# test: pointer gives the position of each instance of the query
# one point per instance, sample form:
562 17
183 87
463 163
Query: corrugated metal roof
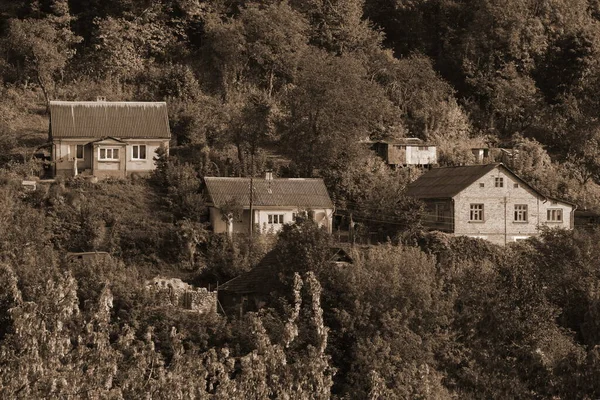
447 182
95 119
301 193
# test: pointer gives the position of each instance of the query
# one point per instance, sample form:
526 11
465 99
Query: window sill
476 222
554 222
520 222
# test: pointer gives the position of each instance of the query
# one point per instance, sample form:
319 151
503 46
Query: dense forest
249 84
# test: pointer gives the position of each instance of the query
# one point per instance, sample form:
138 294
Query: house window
476 212
79 153
481 184
554 215
108 154
520 212
499 182
275 219
138 152
439 212
516 185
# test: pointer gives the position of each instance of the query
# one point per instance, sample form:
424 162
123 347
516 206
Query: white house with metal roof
488 202
275 202
107 139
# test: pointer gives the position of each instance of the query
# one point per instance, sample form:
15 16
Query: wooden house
275 202
405 152
482 154
106 139
489 202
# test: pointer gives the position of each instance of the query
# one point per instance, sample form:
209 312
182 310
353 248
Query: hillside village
356 199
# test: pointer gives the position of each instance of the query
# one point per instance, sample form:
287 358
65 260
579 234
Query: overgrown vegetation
295 86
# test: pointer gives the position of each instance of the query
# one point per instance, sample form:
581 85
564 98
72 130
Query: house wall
65 150
261 219
439 215
104 168
142 167
499 205
416 156
396 154
63 153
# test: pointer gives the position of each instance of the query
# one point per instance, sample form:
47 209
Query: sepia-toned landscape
299 199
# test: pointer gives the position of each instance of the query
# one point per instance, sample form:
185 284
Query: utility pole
252 192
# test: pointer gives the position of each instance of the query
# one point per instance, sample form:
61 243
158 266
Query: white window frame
499 181
106 151
521 213
275 219
138 147
82 147
554 215
476 212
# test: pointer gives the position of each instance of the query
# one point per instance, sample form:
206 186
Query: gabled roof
108 139
95 119
405 142
263 279
295 192
260 279
448 181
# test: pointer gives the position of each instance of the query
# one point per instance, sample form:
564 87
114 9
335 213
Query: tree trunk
271 76
45 92
241 158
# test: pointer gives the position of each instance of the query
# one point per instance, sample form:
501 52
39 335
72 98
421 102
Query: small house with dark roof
252 290
107 139
275 202
405 152
488 202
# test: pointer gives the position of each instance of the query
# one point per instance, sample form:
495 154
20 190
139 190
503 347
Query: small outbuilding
406 152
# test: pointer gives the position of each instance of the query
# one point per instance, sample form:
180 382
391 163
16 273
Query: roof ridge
495 164
262 178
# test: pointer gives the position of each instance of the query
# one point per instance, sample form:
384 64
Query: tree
39 49
338 26
386 306
331 107
275 40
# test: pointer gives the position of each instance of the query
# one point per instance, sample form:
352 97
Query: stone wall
176 293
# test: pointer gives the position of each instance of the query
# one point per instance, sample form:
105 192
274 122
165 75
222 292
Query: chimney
268 175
